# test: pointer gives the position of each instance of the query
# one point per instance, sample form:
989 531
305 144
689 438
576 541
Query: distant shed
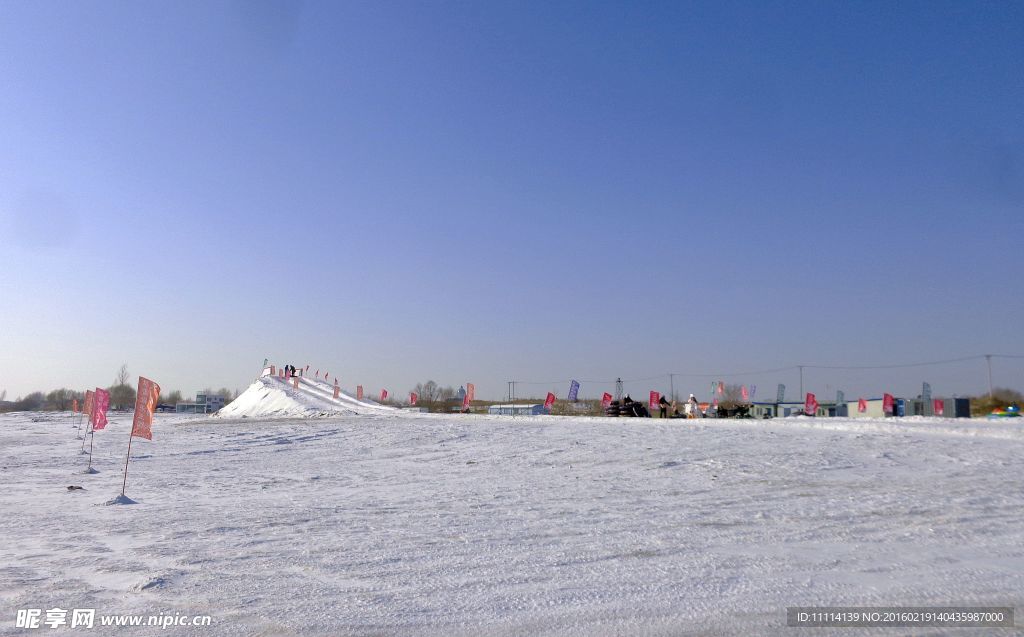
516 410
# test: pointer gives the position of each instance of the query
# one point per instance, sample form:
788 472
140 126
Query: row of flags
888 405
414 398
95 407
717 389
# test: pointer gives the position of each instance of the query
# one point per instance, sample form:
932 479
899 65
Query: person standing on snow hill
663 408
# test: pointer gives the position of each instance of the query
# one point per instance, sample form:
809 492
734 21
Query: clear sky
483 191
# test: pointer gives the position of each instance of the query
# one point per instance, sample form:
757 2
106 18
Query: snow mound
121 499
274 397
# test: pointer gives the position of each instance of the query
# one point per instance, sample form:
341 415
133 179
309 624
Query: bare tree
732 397
428 391
59 399
122 395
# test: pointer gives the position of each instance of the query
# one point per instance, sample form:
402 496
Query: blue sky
487 191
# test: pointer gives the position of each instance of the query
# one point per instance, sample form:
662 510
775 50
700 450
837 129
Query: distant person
693 406
663 405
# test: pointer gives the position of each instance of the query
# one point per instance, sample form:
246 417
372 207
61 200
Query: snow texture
387 523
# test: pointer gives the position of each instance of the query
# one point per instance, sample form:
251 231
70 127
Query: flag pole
83 440
127 456
91 438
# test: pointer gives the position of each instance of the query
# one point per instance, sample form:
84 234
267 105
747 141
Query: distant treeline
122 396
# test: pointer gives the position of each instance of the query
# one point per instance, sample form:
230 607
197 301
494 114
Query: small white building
516 410
204 404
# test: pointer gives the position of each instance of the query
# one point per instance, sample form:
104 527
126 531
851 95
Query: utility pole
672 386
988 359
801 382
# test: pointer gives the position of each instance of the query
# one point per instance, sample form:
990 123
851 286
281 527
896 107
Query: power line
763 371
776 370
901 366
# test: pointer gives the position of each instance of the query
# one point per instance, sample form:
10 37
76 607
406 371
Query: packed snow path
397 525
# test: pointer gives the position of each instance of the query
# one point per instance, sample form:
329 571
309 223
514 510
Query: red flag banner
549 401
413 398
606 400
939 406
359 392
721 388
74 406
87 409
862 405
337 392
810 405
887 404
471 391
744 393
99 409
145 405
383 395
655 397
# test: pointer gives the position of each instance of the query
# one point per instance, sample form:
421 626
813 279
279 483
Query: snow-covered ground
398 524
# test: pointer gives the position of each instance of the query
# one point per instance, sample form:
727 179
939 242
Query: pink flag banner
938 405
810 405
413 398
337 392
383 395
87 409
655 398
606 400
101 402
359 392
862 405
74 406
145 405
744 393
549 401
888 403
721 388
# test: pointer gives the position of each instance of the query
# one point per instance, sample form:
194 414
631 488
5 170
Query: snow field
397 524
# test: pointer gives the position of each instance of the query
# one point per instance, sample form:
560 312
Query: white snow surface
274 397
394 524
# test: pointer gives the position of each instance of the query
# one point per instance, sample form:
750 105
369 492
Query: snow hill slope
274 397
